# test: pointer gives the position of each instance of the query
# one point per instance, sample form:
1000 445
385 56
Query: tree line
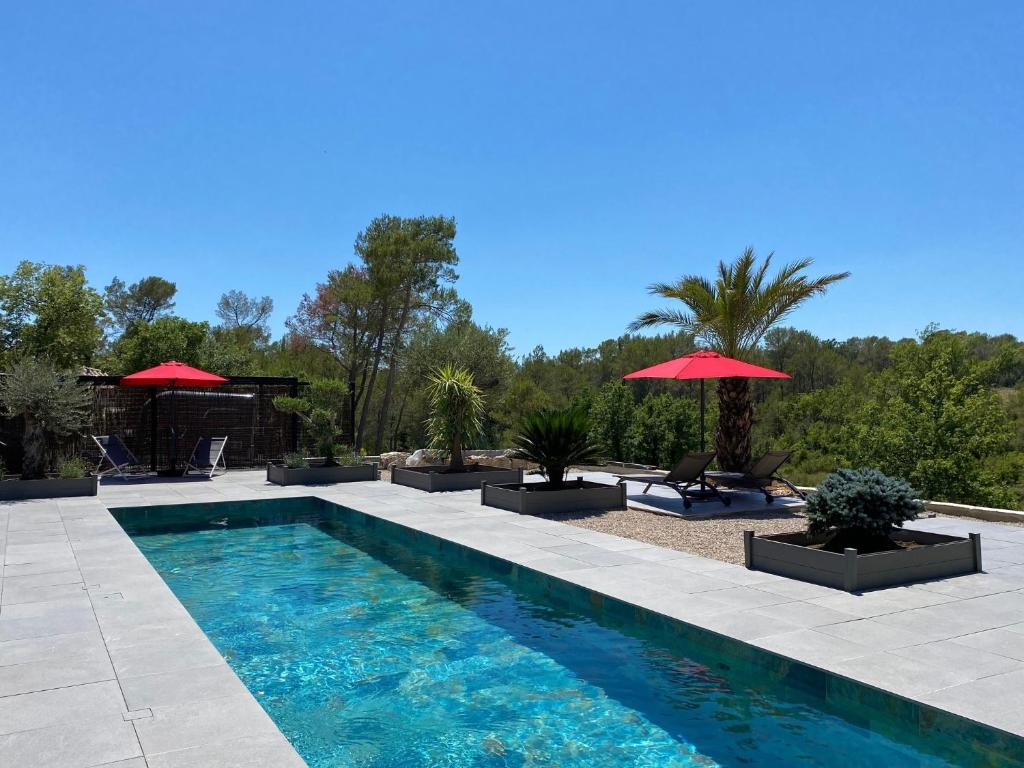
945 410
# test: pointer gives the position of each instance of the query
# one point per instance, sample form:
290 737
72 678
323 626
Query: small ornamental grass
72 468
296 461
861 508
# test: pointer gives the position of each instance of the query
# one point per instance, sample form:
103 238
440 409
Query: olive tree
51 404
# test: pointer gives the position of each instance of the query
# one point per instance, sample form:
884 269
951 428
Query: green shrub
611 416
71 468
861 507
321 411
556 440
346 456
663 430
295 461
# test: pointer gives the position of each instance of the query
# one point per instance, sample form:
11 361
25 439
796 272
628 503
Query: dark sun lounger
682 479
759 477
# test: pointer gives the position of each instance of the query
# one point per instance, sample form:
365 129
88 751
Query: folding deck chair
113 450
686 474
207 454
759 476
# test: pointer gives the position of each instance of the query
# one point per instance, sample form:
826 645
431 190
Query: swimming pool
372 646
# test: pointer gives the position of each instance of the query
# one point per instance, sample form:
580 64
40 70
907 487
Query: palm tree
730 315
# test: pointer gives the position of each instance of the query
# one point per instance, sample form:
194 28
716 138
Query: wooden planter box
434 478
538 499
49 488
790 554
278 473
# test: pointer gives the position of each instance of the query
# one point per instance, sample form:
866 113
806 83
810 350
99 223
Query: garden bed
48 488
279 473
541 498
919 555
438 478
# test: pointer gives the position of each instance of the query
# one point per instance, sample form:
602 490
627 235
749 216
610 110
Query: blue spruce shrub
861 507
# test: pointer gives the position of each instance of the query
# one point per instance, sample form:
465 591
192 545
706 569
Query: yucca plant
457 411
321 412
731 314
557 440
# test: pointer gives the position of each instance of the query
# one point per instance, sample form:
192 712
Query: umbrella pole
174 430
703 487
702 415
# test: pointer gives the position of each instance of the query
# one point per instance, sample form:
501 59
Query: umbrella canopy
705 365
172 374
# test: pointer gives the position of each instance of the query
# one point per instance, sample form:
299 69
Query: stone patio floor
100 665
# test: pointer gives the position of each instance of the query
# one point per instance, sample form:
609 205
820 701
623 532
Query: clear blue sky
585 148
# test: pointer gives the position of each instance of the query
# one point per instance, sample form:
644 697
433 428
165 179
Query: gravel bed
720 538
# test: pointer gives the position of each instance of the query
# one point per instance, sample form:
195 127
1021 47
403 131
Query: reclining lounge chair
686 474
759 476
116 453
207 455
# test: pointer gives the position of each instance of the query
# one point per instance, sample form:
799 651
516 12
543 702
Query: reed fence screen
242 410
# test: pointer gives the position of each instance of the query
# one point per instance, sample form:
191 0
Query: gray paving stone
744 625
54 673
29 711
31 649
1003 641
744 597
813 647
15 595
803 614
71 745
969 663
164 653
242 753
872 633
165 689
72 576
905 676
203 722
994 700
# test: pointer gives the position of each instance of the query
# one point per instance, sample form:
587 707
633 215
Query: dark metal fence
242 410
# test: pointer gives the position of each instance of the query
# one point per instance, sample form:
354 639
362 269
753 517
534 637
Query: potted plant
855 538
51 404
556 440
321 414
457 410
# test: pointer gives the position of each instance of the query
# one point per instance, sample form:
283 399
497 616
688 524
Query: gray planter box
434 478
50 488
314 475
790 554
537 499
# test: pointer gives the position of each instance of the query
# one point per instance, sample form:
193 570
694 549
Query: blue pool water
370 652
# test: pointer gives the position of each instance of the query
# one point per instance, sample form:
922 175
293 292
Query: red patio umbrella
173 374
705 365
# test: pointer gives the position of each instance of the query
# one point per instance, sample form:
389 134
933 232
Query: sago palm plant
731 314
457 411
556 440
